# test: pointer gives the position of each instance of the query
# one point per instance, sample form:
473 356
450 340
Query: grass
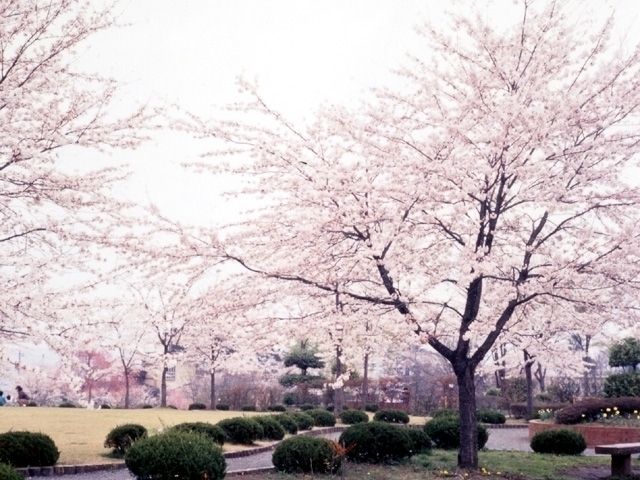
80 433
441 464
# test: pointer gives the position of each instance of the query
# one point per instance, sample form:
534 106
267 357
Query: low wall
593 433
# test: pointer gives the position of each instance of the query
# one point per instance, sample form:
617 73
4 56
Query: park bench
620 456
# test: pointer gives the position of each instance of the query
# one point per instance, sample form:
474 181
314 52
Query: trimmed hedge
222 406
212 432
122 437
371 407
276 408
350 417
559 442
444 412
445 432
27 449
271 428
304 421
420 441
589 409
288 422
175 454
67 405
487 415
376 442
391 416
241 430
197 406
7 472
622 385
306 454
322 418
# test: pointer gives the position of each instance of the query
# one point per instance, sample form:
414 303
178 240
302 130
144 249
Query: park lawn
441 464
79 433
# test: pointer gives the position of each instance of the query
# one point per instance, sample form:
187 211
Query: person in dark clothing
23 398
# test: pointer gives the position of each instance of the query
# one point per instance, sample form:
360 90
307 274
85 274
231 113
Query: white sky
302 53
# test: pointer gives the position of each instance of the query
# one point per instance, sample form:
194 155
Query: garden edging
594 434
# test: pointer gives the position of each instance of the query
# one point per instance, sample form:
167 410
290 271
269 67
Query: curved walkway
499 439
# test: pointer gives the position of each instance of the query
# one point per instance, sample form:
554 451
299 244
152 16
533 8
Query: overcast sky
302 53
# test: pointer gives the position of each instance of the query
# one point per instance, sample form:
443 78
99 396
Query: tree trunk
540 375
528 365
468 453
338 393
213 389
365 382
163 387
126 389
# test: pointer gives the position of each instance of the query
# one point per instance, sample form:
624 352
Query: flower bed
593 433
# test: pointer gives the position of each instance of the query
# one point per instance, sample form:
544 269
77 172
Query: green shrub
391 416
420 441
67 405
146 406
105 406
444 412
32 404
322 418
176 454
351 417
271 429
213 432
27 449
7 472
222 406
306 407
197 406
304 421
330 408
445 432
241 430
592 408
376 442
306 454
493 392
289 399
371 407
622 385
123 436
288 422
248 408
487 415
559 442
277 408
519 410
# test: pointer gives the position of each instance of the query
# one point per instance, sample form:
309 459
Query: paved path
499 439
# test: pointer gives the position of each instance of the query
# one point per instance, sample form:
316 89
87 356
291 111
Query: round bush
305 455
271 429
197 406
322 418
27 449
176 454
622 385
289 423
445 432
123 436
146 406
493 417
376 442
105 406
241 430
391 416
222 406
277 408
248 408
420 441
7 472
304 421
213 432
67 405
371 407
559 442
444 412
351 417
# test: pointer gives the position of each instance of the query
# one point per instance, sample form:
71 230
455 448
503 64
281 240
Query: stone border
593 433
75 469
506 425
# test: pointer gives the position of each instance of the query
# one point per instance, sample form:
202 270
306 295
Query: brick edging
506 425
75 469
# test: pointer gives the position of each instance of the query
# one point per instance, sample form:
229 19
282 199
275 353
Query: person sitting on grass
23 398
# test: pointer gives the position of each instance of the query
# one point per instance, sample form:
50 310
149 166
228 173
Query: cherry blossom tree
489 181
50 115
